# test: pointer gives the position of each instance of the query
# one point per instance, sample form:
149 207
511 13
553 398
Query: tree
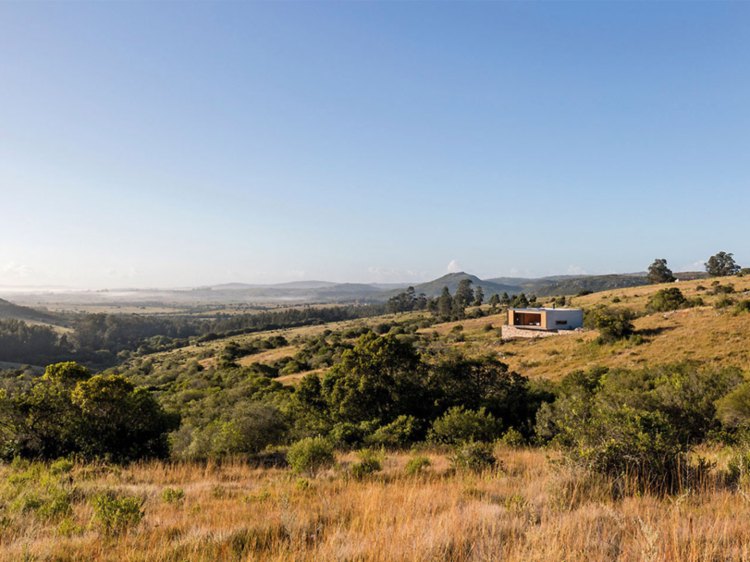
494 302
445 304
464 294
478 296
658 272
120 421
70 412
482 382
721 265
403 302
379 379
505 299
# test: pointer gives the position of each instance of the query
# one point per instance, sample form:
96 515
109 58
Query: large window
527 318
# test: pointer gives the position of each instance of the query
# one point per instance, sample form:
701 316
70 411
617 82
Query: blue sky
177 144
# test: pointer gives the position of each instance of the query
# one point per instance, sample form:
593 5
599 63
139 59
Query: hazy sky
179 144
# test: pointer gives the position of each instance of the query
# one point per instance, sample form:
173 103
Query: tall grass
528 507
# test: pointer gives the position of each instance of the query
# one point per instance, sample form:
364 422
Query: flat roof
542 309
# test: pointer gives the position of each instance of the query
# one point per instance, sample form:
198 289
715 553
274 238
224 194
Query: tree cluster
68 411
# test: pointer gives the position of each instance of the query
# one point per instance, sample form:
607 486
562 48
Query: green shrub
738 469
742 306
724 302
33 488
61 466
399 433
473 456
114 515
310 455
459 424
417 465
369 463
613 323
638 426
667 299
513 438
173 495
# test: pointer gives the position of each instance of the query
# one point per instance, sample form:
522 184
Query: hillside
715 336
451 280
704 333
8 311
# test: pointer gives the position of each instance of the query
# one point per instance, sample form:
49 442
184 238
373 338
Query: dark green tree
445 305
658 272
70 412
478 296
494 302
464 293
721 265
379 379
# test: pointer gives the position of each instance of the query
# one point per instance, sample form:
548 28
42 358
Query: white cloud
453 267
17 270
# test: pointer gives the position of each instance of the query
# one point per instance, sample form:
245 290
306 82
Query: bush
738 469
639 425
115 515
724 302
399 433
473 456
173 495
742 306
417 465
613 323
458 425
667 299
310 455
369 463
513 438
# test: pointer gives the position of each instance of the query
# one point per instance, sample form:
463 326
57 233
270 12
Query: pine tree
478 296
445 304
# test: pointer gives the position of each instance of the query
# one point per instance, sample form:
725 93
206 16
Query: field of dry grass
704 333
529 509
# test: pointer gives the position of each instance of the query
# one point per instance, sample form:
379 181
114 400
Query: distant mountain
574 284
451 280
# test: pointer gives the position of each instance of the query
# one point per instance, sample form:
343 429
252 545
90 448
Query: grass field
530 508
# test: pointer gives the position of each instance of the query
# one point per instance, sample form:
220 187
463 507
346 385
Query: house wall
564 319
551 319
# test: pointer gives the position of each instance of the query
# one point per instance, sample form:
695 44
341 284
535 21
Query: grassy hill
11 311
716 336
705 333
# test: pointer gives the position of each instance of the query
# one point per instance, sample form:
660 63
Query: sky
182 144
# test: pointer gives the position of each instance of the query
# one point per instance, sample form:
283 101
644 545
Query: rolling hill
10 311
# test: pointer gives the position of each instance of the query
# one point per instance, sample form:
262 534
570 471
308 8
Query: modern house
547 319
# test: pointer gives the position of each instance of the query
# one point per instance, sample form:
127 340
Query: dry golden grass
268 356
530 509
705 334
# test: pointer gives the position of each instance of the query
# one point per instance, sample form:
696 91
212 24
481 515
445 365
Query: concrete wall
564 319
550 318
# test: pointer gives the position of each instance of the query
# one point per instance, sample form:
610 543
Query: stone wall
512 332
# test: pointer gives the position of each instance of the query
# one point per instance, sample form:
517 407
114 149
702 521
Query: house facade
547 319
